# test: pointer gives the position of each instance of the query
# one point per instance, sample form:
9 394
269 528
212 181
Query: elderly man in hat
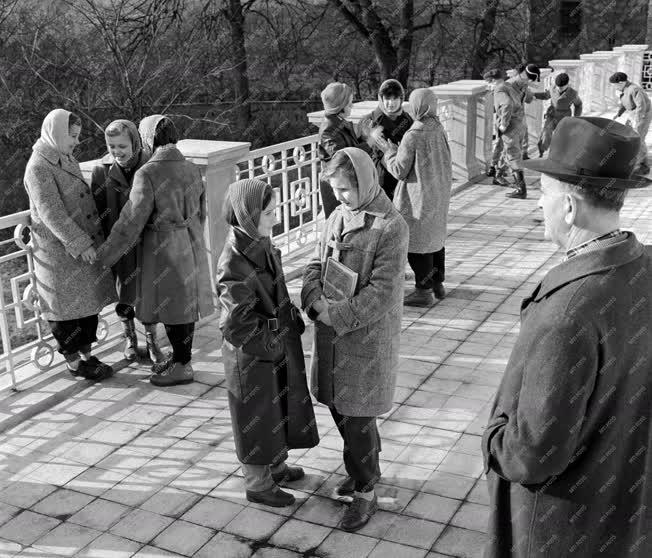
568 446
634 101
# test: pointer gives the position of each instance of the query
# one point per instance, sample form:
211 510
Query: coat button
88 216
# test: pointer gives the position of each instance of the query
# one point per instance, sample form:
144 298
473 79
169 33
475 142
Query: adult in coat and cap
111 182
355 352
568 446
422 163
271 409
164 218
336 133
65 231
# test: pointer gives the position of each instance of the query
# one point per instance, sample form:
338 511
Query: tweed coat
264 365
64 223
568 447
354 361
110 189
424 168
167 205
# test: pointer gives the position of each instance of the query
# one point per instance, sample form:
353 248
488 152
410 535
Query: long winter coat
271 409
110 189
167 205
568 446
64 223
354 361
424 168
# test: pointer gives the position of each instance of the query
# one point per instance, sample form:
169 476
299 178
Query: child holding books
357 333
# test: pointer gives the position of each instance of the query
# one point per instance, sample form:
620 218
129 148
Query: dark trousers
429 269
361 449
180 336
74 336
328 199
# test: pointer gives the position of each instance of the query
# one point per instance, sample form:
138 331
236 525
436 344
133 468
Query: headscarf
136 144
367 177
147 131
54 130
335 97
381 105
246 198
423 104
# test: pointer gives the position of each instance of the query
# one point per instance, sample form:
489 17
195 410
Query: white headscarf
54 130
147 130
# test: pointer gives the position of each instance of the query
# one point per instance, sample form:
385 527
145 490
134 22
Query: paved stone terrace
123 469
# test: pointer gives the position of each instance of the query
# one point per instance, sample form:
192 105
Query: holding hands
89 255
321 308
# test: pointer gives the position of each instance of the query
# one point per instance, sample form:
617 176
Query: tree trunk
240 80
480 53
648 38
404 51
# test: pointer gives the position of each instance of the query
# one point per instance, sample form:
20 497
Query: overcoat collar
254 251
590 263
167 154
379 207
115 172
53 156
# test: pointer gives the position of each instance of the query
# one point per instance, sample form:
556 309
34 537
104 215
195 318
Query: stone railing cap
595 56
634 47
462 88
565 62
359 110
212 150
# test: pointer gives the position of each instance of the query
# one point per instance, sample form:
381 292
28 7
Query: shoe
289 474
359 513
499 180
491 171
525 157
151 342
162 366
93 369
520 192
175 375
422 298
130 350
346 487
439 291
274 497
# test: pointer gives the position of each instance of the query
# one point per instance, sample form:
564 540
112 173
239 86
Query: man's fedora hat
592 151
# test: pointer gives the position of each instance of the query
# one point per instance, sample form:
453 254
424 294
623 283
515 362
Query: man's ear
570 208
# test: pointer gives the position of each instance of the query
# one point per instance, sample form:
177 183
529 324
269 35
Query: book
339 281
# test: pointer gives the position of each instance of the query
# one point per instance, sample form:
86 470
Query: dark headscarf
397 85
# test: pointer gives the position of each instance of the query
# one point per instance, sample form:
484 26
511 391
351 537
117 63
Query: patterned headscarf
136 144
423 103
335 97
147 130
367 177
246 198
55 129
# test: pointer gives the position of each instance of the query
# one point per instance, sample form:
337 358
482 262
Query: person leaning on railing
167 205
336 133
72 288
271 409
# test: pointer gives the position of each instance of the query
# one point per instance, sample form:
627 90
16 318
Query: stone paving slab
123 469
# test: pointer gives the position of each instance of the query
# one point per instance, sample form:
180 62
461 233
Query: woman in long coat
110 184
65 231
423 165
167 206
271 409
355 353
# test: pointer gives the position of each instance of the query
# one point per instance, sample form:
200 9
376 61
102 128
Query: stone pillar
595 82
635 56
610 67
216 161
462 124
571 67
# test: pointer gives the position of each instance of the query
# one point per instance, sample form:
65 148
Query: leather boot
289 474
500 180
153 350
175 375
346 487
130 350
491 171
274 497
422 298
439 291
521 190
359 513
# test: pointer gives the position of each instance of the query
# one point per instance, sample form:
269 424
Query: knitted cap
246 198
618 77
561 80
335 97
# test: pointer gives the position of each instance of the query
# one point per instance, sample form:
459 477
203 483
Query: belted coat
264 365
164 219
64 223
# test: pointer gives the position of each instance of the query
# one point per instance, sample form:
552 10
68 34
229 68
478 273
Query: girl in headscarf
111 183
167 206
336 133
271 409
357 334
391 122
65 231
422 164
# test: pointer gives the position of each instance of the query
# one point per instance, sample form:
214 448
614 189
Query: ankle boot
153 350
491 171
521 190
176 374
130 350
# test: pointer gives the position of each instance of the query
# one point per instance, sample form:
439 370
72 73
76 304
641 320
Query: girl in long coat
271 409
111 184
167 206
423 165
65 231
357 337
